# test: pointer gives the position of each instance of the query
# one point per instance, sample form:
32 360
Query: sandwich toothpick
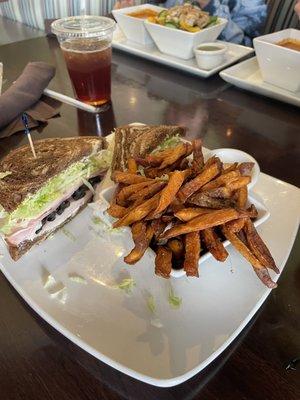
27 131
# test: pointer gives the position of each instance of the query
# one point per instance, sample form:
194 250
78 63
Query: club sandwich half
39 195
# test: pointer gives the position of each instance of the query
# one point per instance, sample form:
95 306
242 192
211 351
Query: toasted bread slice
28 175
138 141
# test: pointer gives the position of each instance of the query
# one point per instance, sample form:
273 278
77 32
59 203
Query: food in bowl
186 17
292 44
131 21
179 42
143 13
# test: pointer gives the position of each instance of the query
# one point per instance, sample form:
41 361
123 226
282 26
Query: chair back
281 15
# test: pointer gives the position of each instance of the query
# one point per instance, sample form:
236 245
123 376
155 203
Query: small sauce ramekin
209 58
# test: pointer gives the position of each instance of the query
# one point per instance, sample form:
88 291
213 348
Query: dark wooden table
36 362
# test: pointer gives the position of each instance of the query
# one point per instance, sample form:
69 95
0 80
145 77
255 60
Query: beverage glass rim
83 26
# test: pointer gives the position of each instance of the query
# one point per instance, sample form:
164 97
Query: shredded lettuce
4 174
168 143
36 204
174 300
164 177
127 284
141 170
88 185
97 220
151 304
69 234
77 278
55 288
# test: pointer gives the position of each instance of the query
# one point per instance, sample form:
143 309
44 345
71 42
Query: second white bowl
178 43
279 66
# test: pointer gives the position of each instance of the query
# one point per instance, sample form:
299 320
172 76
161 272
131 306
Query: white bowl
279 66
132 27
102 204
209 59
178 43
234 155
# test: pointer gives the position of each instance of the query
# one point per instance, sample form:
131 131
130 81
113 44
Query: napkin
25 95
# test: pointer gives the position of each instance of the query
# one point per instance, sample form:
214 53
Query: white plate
151 52
173 345
247 75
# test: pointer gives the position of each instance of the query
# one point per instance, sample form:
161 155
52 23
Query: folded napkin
24 95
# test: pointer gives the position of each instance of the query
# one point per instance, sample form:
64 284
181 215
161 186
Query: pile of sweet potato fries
181 207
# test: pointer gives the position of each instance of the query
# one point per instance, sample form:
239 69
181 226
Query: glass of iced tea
86 44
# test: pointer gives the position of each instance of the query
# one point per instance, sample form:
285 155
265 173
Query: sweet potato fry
148 191
182 150
241 247
175 206
158 227
229 168
209 220
116 211
195 184
251 212
262 273
192 254
241 197
168 194
245 168
258 247
236 225
213 244
213 160
167 218
163 262
138 213
204 200
184 164
222 180
128 178
264 276
177 248
155 172
198 159
142 236
155 159
127 191
221 192
186 214
132 166
238 183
